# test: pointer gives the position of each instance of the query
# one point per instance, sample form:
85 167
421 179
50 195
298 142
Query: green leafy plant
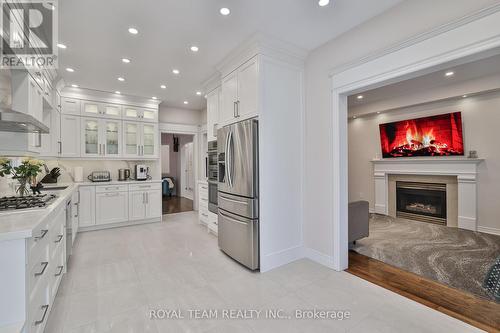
25 173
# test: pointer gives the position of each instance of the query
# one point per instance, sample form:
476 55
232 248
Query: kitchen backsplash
88 166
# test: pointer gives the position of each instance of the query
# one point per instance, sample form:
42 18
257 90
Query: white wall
180 116
480 117
397 24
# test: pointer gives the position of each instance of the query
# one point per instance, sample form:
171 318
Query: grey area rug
455 257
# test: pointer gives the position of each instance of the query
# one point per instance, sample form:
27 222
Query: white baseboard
489 230
118 225
318 257
468 223
280 258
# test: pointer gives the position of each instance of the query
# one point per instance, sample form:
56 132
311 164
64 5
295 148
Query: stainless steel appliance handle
231 219
235 201
230 159
226 156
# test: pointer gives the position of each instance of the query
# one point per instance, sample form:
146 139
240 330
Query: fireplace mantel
465 169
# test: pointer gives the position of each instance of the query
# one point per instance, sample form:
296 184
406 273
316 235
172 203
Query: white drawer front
111 188
38 271
144 187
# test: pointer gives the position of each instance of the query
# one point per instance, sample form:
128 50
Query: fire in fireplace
424 202
430 136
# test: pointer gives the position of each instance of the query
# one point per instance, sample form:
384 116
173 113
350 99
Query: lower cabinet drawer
38 311
203 214
56 271
111 188
144 187
38 271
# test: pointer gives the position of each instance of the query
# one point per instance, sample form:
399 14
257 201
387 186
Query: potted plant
25 173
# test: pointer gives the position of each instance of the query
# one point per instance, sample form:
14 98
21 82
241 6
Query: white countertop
20 224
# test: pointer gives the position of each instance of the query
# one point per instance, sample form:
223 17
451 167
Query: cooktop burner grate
26 202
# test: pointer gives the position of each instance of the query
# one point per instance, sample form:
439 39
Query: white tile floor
118 276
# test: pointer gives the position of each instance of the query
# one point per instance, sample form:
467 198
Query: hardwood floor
172 205
453 302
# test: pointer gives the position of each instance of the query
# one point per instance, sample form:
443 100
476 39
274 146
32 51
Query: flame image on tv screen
430 136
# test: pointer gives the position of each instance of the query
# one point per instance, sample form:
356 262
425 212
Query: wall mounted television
439 135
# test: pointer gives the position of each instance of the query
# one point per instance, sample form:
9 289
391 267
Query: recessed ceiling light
74 85
176 71
163 86
117 92
186 102
378 112
194 48
126 60
133 31
449 73
71 70
360 97
464 96
225 11
61 46
323 3
121 79
154 97
354 117
198 93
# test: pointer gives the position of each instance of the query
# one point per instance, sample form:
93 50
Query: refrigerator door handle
230 150
226 156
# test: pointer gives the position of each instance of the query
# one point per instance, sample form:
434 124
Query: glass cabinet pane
149 139
112 110
112 136
131 139
91 136
150 115
131 113
91 108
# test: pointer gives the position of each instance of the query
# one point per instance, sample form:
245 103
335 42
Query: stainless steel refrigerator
238 187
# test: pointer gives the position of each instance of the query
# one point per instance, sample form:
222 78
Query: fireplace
424 202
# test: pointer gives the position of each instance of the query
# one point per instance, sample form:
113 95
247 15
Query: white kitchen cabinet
87 206
213 101
111 207
140 114
97 109
70 136
229 98
248 89
239 93
140 140
145 201
137 205
70 106
153 204
100 137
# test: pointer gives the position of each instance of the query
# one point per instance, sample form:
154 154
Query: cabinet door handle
234 109
144 198
59 238
44 264
237 108
45 308
60 146
61 268
77 207
42 234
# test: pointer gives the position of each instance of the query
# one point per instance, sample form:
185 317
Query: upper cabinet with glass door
97 109
140 114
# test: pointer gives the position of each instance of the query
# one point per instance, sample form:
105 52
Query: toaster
100 176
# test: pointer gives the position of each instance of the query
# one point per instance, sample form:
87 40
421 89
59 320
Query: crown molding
108 97
484 12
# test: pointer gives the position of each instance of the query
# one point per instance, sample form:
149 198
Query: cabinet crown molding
262 44
107 97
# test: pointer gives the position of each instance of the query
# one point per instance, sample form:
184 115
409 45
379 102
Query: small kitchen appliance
123 174
141 172
100 176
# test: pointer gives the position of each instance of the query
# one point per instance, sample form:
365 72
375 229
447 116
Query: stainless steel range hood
12 120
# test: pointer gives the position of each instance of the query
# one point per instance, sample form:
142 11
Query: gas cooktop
26 202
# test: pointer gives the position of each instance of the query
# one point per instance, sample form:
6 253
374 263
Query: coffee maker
141 172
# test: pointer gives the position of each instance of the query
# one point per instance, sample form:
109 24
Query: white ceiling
476 69
95 32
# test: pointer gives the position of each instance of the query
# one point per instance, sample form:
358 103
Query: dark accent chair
359 217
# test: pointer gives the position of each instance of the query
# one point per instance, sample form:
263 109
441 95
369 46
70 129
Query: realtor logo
29 34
